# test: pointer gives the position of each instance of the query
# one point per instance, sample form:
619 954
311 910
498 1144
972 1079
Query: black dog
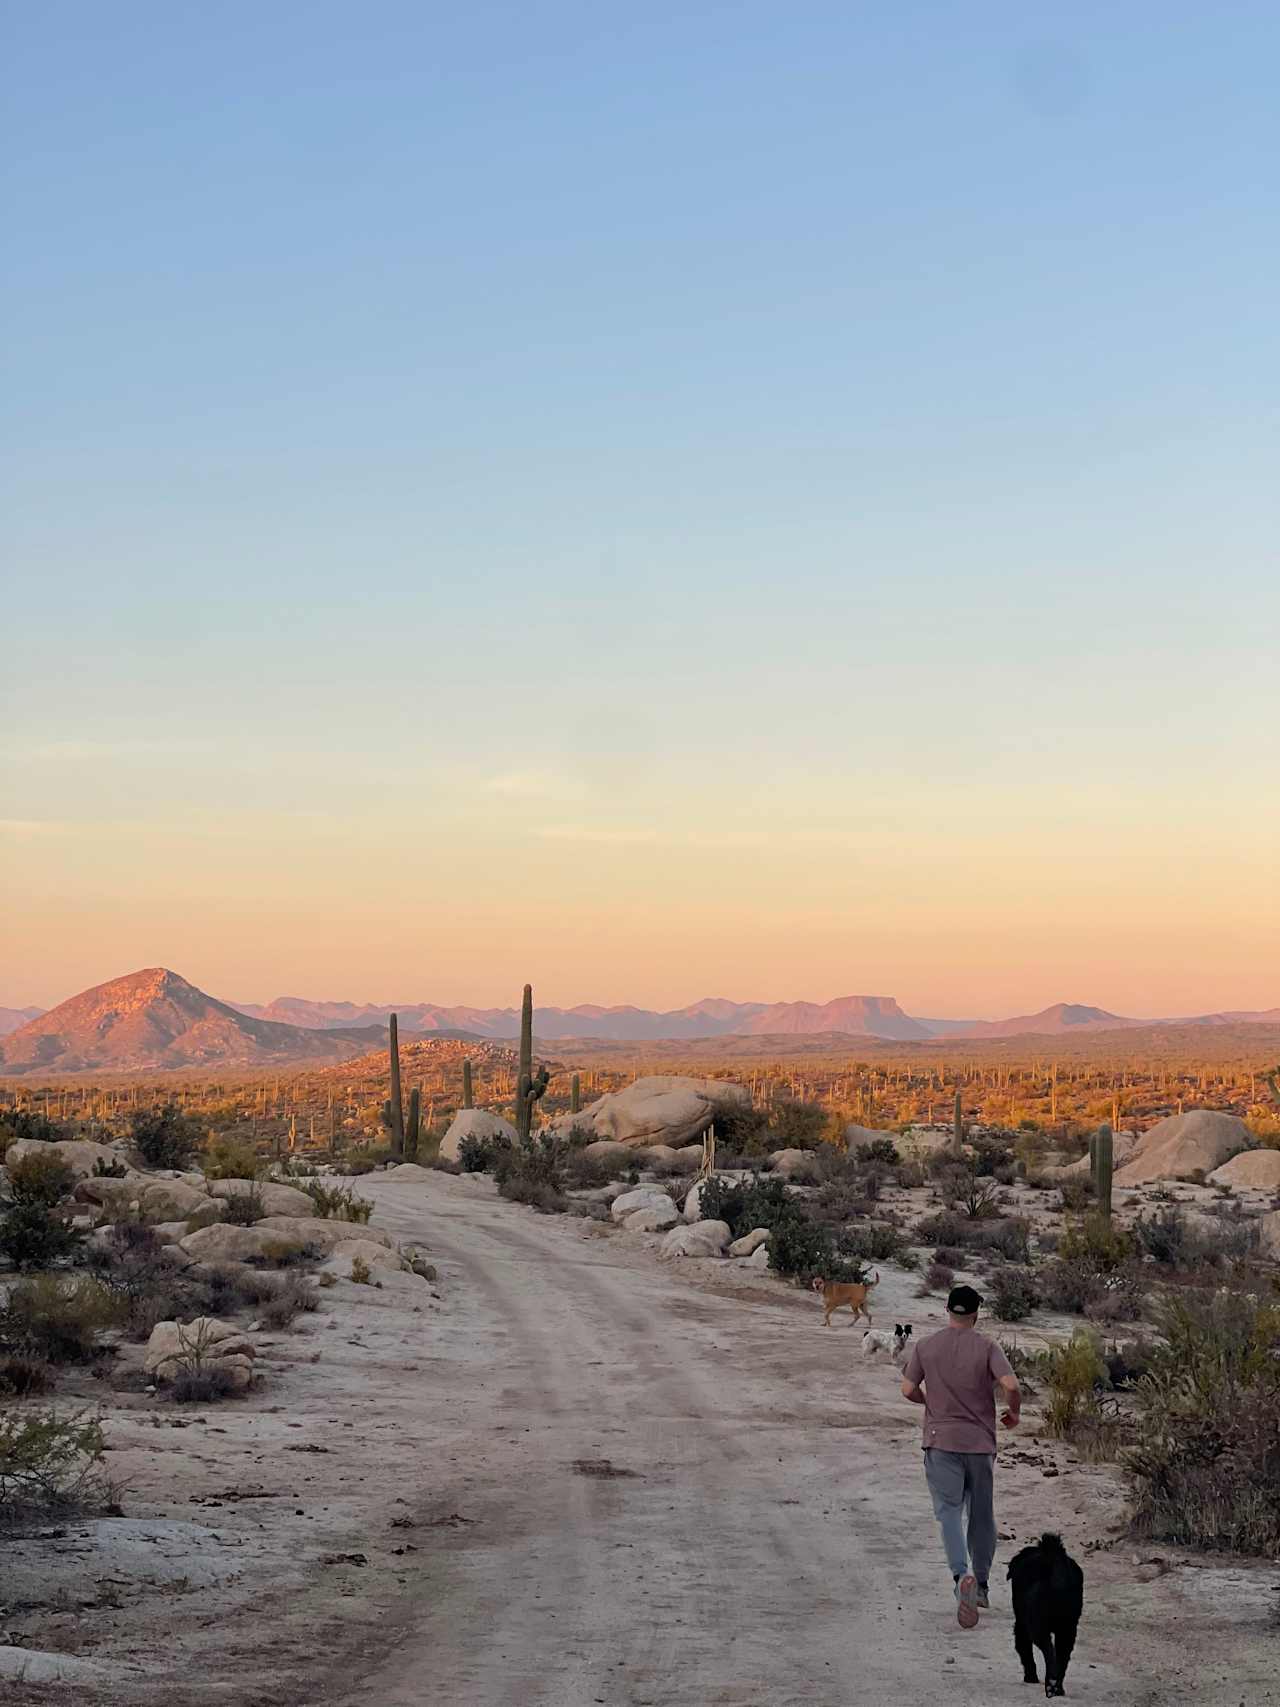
1048 1596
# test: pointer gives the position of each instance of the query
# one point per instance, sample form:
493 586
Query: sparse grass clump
336 1203
58 1318
244 1208
232 1158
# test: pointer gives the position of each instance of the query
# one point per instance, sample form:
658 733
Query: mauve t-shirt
958 1369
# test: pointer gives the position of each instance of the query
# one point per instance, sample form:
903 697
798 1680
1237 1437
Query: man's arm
912 1376
911 1392
1013 1393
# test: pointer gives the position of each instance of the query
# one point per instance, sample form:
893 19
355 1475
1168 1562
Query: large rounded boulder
475 1123
80 1154
1184 1145
275 1199
1251 1170
665 1108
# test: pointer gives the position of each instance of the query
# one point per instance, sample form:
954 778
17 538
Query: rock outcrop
1184 1145
80 1154
662 1109
698 1239
1251 1170
654 1219
641 1197
275 1198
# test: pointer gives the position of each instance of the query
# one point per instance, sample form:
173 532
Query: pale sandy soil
585 1477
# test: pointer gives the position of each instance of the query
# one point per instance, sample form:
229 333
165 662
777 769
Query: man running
960 1370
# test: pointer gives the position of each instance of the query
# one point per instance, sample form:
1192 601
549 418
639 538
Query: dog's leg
1066 1642
1052 1682
1026 1653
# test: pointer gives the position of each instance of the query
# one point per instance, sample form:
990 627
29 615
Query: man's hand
1013 1393
1010 1419
912 1393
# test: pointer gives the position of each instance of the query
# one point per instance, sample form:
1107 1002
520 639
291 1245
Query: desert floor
578 1476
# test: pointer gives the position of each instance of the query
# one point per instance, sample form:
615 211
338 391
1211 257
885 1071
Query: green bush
1007 1235
937 1278
872 1241
1096 1240
1172 1241
35 1221
1014 1293
477 1155
1075 1373
47 1461
882 1150
797 1125
740 1128
244 1208
1077 1194
1206 1469
232 1158
131 1264
25 1123
58 1317
760 1201
164 1137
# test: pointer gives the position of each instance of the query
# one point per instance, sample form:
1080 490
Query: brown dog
834 1293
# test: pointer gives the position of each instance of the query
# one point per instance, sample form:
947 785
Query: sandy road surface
677 1496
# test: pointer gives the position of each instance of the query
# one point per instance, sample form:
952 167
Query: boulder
226 1243
80 1155
1184 1144
658 1155
701 1239
107 1193
1123 1145
1251 1170
855 1135
205 1344
1269 1235
373 1256
790 1164
169 1232
663 1108
749 1242
174 1200
276 1199
759 1258
640 1197
607 1150
322 1236
474 1123
408 1173
688 1158
655 1219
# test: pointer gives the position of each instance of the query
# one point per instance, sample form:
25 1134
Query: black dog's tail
1051 1543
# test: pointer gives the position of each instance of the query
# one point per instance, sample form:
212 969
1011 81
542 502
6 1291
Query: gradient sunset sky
764 500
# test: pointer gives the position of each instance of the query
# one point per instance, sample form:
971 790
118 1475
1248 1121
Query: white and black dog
895 1345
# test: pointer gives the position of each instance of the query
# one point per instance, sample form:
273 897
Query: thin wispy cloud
534 785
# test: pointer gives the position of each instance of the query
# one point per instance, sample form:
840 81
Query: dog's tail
873 1280
1051 1543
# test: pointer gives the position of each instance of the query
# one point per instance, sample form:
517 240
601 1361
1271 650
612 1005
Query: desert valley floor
579 1476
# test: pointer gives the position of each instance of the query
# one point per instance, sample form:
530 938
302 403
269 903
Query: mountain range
157 1019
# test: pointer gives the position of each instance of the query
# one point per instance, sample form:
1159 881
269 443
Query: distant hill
11 1019
1051 1022
855 1016
155 1019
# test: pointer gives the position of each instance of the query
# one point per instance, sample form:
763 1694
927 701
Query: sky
766 500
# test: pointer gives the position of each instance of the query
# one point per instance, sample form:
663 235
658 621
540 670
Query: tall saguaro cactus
957 1124
468 1090
1102 1162
397 1106
413 1126
575 1095
531 1086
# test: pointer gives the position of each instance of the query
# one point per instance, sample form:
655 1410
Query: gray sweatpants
962 1487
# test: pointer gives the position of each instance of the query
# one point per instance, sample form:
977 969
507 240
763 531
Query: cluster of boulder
661 1115
650 1209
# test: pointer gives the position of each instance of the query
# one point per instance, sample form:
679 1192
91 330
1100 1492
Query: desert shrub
1095 1239
802 1248
1127 1363
22 1375
35 1223
364 1158
949 1256
47 1460
797 1125
882 1150
539 1194
1206 1469
477 1155
109 1170
232 1158
740 1128
1007 1235
1077 1194
164 1137
582 1173
1174 1242
130 1263
244 1208
1014 1293
202 1386
1069 1285
910 1173
937 1278
992 1158
58 1317
760 1201
336 1203
361 1273
840 1200
964 1189
1120 1296
872 1241
1075 1372
292 1297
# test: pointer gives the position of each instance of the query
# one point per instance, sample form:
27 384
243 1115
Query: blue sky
436 436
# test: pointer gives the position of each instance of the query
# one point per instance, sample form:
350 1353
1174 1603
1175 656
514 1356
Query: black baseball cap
963 1301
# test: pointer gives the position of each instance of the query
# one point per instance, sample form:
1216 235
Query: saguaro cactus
468 1092
575 1095
957 1124
531 1086
397 1107
1102 1157
413 1126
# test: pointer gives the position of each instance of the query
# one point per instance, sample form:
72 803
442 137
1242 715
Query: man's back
958 1368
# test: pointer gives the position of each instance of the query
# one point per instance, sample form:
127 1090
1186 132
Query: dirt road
661 1495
